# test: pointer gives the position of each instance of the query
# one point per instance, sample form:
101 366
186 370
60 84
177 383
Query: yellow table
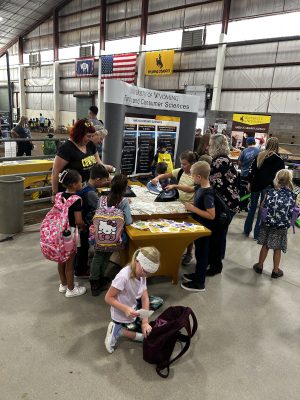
170 245
19 167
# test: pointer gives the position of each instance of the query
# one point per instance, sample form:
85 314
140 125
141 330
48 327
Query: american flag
120 66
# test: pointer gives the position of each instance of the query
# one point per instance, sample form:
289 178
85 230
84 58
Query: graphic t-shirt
81 162
185 179
130 289
246 158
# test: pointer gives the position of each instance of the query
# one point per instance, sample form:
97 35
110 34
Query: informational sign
143 139
84 67
246 125
251 123
159 62
118 92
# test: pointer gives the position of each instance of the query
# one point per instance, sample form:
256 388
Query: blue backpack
279 208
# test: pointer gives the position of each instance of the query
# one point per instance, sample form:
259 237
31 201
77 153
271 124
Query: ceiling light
1 19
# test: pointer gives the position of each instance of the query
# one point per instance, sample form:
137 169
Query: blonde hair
101 131
23 121
150 252
201 168
218 145
272 147
284 179
206 157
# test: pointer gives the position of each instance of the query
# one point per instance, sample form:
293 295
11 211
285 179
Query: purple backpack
166 331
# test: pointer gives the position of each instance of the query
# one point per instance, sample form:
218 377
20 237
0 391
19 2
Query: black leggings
24 147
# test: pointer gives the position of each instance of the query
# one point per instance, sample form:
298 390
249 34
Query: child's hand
130 312
189 206
146 329
170 187
154 181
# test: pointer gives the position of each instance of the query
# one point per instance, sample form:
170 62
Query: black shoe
193 287
277 274
95 287
212 272
189 277
257 268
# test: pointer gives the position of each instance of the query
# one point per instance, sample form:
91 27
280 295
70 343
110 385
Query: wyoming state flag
159 62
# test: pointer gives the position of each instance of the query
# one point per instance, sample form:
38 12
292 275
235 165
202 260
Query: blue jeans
256 197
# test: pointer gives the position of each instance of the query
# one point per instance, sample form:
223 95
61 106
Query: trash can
11 204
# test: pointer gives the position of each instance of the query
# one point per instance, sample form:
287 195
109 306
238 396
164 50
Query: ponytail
69 177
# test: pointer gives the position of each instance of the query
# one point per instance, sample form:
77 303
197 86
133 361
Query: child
185 187
99 177
203 212
71 180
162 168
101 258
128 286
50 146
278 204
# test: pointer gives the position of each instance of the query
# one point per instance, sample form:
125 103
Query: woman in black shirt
77 153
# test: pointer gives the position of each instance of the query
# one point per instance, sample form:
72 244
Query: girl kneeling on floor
276 214
128 286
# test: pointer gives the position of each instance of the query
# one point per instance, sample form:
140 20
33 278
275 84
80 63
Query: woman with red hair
78 153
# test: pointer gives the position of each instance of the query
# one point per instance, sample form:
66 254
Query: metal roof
18 17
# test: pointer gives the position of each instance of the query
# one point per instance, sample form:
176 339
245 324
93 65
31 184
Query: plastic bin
11 204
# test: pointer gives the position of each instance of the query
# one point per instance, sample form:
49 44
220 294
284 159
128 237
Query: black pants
24 147
81 259
216 248
201 254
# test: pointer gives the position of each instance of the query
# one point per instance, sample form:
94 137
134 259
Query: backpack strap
186 339
180 172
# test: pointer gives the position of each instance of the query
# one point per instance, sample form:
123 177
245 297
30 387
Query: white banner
118 92
39 82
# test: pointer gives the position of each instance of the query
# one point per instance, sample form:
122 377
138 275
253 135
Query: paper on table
144 313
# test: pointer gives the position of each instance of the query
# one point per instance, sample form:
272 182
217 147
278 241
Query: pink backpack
54 224
107 228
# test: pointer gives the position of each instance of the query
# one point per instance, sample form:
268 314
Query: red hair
80 129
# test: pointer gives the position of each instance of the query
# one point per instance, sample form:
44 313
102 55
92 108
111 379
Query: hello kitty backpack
108 227
54 224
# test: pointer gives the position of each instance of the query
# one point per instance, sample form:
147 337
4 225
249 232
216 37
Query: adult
247 156
204 145
42 121
78 152
224 179
92 116
261 175
21 130
98 138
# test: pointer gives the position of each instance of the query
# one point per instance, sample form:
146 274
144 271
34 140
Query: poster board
142 139
249 125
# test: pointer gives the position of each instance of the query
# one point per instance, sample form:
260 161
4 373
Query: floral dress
224 179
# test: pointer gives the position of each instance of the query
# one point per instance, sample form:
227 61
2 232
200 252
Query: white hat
146 264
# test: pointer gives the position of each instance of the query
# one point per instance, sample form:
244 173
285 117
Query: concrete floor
247 346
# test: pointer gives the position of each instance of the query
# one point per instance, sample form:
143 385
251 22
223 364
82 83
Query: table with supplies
167 226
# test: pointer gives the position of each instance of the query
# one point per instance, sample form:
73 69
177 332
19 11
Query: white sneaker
77 291
112 336
63 288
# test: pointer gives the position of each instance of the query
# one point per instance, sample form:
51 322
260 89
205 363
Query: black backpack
223 214
159 345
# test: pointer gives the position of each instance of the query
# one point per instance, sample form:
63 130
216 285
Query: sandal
257 268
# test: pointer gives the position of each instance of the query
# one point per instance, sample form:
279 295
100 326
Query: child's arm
162 176
125 207
183 188
79 221
110 298
210 213
146 328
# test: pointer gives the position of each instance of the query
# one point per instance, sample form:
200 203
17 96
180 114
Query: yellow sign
249 119
159 62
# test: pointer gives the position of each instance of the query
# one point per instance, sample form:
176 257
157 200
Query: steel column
225 18
103 25
21 50
55 35
144 22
